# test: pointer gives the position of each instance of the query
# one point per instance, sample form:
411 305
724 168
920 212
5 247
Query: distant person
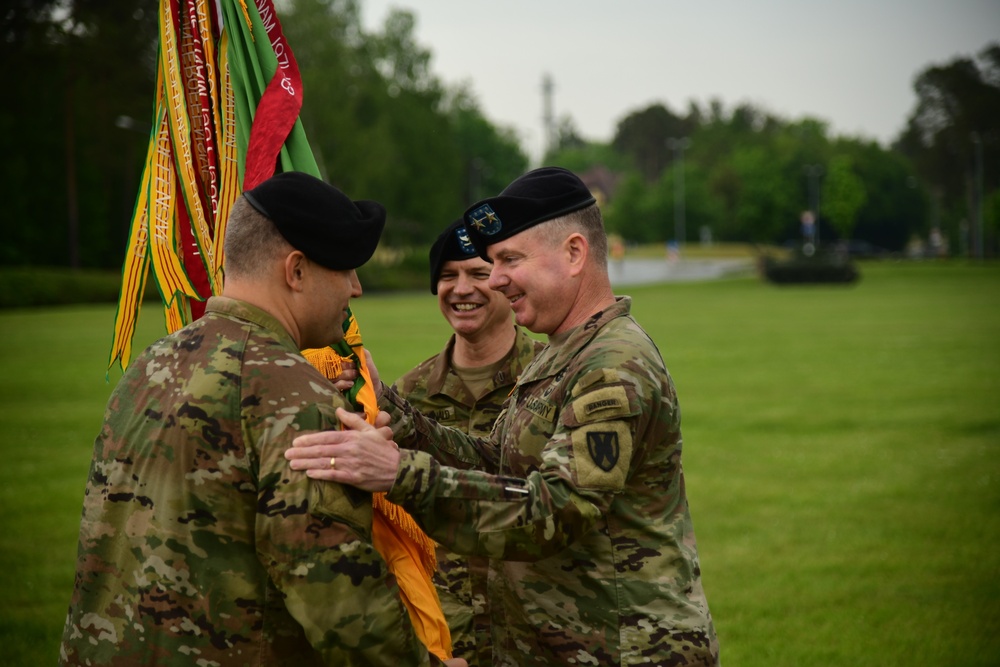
577 496
197 545
464 386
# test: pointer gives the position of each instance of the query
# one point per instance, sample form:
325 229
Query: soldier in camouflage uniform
198 546
578 495
464 386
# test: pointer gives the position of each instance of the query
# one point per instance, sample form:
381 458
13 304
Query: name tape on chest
540 408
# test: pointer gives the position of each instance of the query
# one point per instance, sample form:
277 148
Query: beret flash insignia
485 220
464 242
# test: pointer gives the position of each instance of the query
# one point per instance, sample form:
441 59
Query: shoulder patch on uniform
603 448
602 453
603 375
603 403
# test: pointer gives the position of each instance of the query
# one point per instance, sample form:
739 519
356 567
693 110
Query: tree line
748 175
383 126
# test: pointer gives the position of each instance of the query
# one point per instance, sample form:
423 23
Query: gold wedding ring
333 461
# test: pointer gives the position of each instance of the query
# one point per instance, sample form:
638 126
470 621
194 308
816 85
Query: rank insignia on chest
603 448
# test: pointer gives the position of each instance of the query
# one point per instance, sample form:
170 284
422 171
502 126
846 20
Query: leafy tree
567 137
373 115
385 128
991 215
701 207
843 195
752 165
767 198
492 156
627 215
896 206
956 122
581 157
747 178
643 136
76 122
71 173
401 61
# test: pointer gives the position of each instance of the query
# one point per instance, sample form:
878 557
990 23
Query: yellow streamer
134 271
180 133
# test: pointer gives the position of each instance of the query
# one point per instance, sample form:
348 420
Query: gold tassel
328 362
246 16
400 517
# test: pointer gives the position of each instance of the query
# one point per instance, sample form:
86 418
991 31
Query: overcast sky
850 63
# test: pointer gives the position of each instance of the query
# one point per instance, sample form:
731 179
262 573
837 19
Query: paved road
645 271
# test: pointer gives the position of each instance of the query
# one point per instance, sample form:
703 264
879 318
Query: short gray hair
589 222
252 242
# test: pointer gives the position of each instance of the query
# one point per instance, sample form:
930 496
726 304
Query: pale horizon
851 64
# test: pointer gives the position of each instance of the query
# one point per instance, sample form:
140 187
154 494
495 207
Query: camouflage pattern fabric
198 544
581 507
433 388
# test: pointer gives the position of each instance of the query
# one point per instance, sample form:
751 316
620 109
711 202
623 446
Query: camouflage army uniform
433 388
585 518
197 545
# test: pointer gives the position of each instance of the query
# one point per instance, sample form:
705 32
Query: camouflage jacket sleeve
314 538
199 544
461 500
584 514
599 385
412 429
476 513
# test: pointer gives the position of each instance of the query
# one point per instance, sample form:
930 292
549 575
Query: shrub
22 287
816 268
26 287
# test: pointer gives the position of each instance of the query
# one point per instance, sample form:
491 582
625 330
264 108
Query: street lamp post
678 145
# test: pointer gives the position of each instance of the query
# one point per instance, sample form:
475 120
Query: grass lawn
841 456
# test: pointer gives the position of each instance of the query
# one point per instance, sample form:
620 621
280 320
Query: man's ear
577 250
296 266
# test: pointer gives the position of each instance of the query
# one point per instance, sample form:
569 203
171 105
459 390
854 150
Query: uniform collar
241 310
507 373
564 346
579 335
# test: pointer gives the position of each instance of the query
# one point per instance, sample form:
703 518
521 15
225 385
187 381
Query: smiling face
532 271
466 300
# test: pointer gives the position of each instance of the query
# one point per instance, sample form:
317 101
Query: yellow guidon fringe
406 549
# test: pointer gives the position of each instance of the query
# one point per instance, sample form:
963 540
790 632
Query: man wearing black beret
577 497
197 544
464 387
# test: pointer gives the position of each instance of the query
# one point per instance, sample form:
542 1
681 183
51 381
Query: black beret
452 245
320 220
539 195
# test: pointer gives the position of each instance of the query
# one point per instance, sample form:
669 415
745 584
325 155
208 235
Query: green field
842 451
